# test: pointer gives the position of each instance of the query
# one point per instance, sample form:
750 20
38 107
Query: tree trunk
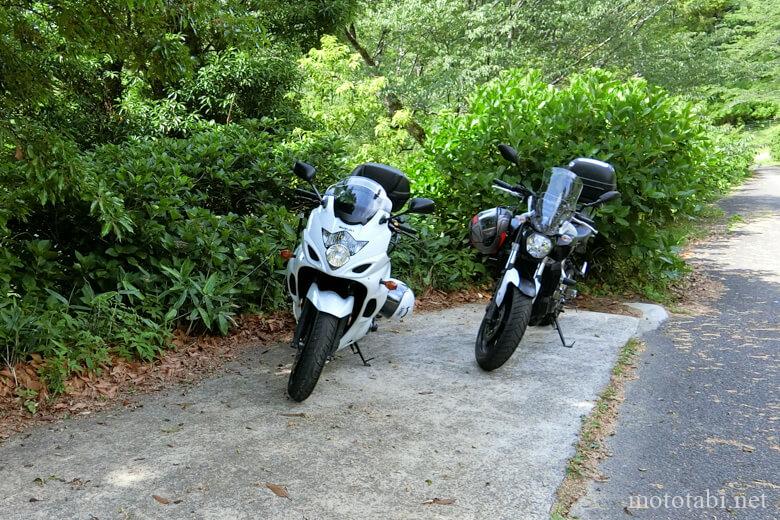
392 102
112 87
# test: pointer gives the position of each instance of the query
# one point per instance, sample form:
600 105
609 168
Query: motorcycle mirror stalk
306 172
604 198
418 205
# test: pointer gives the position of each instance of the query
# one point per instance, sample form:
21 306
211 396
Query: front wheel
502 329
316 335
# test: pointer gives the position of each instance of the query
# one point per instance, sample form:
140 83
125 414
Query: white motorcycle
339 275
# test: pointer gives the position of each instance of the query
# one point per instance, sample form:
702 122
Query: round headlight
538 245
337 255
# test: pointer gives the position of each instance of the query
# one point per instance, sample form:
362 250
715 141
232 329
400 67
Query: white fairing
511 277
373 255
330 302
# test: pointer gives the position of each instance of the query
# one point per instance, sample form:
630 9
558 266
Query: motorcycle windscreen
557 204
358 199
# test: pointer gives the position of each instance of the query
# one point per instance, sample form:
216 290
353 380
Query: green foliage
341 100
144 177
75 336
747 111
440 258
179 61
436 59
669 162
774 143
121 181
152 233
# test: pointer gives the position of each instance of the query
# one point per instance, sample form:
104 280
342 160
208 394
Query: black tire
316 332
502 329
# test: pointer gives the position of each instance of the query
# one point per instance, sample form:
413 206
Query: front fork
511 276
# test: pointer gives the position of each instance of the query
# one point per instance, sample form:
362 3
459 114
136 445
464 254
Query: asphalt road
422 423
697 436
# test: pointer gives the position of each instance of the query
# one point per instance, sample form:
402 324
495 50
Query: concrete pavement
422 423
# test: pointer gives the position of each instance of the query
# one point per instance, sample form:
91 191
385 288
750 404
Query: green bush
774 144
747 112
669 162
78 335
149 234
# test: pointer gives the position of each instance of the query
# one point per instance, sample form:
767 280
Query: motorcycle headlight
538 245
343 238
337 255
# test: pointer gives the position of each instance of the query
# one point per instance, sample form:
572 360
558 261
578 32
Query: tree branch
392 101
352 37
636 27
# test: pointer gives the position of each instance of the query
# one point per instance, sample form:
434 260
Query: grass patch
767 143
734 221
596 427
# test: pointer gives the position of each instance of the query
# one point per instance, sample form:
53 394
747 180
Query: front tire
502 329
316 334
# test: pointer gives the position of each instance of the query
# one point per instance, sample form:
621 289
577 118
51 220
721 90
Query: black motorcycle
534 251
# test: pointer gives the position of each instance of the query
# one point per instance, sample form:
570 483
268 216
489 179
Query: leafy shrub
668 162
76 336
341 100
774 144
744 112
151 233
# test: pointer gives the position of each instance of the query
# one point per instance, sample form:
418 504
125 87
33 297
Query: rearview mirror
608 196
304 171
421 206
508 153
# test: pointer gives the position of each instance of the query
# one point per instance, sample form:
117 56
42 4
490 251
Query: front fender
330 302
512 277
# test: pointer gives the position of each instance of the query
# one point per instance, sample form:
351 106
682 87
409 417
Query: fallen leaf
439 502
77 483
164 501
277 490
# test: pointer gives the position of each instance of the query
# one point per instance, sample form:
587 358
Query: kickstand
560 333
356 349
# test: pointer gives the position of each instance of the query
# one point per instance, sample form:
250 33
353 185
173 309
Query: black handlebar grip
502 184
585 219
306 194
406 229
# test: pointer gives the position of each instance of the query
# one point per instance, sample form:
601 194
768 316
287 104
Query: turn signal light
286 254
390 284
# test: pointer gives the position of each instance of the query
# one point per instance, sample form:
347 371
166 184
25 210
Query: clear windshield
357 199
559 200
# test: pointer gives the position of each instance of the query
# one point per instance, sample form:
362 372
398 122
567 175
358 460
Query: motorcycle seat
394 182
